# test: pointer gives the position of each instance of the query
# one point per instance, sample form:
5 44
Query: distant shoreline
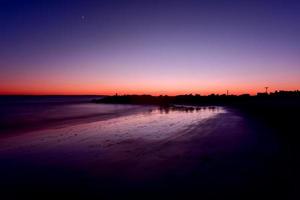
213 99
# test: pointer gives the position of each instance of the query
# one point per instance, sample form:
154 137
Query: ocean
24 113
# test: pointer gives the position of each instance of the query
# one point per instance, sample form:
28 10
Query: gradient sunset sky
154 47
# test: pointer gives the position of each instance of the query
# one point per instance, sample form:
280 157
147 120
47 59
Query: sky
148 47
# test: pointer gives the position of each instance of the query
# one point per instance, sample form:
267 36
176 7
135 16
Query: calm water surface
23 113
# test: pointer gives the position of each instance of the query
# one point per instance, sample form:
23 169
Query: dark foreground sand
210 153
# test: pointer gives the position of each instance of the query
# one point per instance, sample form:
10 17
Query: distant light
82 17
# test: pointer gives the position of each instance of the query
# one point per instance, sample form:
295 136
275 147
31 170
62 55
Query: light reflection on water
152 124
159 123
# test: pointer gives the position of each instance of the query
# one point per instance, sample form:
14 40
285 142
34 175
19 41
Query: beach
209 151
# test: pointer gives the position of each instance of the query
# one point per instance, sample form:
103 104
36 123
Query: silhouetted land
213 99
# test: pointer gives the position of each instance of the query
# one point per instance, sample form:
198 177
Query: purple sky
157 47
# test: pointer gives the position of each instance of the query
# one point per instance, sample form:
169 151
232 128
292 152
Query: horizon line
123 94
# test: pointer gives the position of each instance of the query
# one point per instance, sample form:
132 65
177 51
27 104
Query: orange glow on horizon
122 91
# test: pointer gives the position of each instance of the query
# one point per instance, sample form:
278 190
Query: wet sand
210 152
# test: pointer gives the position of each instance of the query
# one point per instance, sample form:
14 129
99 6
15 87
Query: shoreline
56 123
